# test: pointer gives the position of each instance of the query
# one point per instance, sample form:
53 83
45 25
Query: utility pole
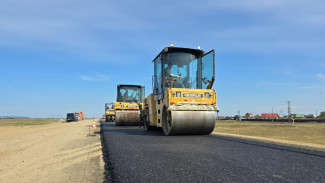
316 113
239 118
289 112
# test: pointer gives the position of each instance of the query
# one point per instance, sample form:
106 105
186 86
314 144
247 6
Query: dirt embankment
58 152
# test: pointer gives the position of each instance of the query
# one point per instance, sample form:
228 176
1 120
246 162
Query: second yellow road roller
109 112
127 110
183 101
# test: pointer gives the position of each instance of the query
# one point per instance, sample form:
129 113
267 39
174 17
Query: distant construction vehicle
109 112
127 111
72 117
182 101
81 115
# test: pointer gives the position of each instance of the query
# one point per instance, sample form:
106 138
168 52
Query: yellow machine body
191 96
183 101
110 112
126 106
199 103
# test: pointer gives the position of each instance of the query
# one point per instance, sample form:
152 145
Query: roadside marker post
94 125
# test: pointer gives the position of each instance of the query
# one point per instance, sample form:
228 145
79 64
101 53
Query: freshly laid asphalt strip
136 155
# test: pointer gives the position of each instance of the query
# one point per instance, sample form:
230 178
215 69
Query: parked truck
72 117
80 115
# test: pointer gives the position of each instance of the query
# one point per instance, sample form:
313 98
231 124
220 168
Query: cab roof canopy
195 52
122 85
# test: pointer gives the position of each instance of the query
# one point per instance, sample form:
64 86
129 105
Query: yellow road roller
182 101
109 112
127 110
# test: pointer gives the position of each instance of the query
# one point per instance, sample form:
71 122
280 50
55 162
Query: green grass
22 122
299 132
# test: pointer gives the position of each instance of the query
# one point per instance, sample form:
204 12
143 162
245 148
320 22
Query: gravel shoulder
57 152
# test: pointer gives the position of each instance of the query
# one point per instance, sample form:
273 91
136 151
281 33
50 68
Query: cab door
208 70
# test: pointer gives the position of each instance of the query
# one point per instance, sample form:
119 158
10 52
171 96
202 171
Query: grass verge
22 122
300 132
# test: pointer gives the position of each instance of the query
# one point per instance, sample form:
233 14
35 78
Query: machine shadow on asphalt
135 130
131 130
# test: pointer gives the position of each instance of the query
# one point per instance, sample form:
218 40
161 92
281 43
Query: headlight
122 106
207 95
178 94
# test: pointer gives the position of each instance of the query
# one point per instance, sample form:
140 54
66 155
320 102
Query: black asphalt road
135 155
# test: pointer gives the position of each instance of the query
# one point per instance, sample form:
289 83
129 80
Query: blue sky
59 56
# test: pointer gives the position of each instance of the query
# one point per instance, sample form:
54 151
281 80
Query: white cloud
266 38
86 78
289 11
276 26
8 87
267 83
250 5
313 87
94 29
320 76
97 77
84 28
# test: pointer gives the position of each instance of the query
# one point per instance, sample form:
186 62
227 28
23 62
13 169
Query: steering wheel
179 79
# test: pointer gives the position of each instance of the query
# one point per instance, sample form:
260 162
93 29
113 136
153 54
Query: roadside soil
57 152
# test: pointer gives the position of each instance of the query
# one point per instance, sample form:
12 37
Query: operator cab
130 93
182 68
109 105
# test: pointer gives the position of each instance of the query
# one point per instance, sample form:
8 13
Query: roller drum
189 122
127 118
